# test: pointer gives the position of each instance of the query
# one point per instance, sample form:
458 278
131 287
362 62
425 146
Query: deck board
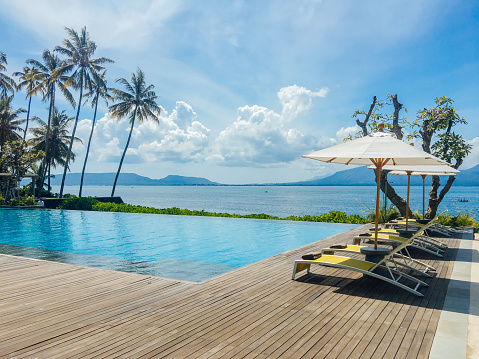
58 310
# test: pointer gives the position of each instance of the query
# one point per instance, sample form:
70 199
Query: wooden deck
56 310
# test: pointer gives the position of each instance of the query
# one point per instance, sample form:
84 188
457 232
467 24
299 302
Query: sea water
281 201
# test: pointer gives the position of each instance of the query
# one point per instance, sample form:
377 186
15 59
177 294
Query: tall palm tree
99 90
7 84
49 79
137 102
10 124
29 78
79 49
58 137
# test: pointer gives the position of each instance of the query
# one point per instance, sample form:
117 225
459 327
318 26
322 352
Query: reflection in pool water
179 247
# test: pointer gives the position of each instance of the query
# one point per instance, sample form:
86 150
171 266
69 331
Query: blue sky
247 87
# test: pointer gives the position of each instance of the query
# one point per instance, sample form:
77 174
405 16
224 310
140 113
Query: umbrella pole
385 195
407 201
378 175
423 193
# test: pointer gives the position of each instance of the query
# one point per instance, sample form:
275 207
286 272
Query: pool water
179 247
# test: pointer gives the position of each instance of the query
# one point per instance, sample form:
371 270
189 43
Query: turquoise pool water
179 247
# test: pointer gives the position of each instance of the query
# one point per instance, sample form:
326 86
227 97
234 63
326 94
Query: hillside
358 176
130 179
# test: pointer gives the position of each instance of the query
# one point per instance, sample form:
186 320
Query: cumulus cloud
344 132
261 137
258 137
177 137
296 99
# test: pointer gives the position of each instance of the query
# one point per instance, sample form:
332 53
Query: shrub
461 219
82 203
21 201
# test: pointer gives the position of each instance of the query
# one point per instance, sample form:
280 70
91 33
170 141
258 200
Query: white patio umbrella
379 148
423 171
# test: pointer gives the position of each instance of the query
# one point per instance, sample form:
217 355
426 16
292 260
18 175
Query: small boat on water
463 200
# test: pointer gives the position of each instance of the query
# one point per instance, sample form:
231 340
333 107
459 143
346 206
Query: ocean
281 201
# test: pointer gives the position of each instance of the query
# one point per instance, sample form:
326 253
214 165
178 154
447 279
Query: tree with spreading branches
434 126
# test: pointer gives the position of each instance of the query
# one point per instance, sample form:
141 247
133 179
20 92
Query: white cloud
260 137
344 132
178 137
124 24
296 99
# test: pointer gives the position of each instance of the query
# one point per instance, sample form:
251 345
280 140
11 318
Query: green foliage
83 203
332 216
21 201
2 200
461 219
385 214
438 121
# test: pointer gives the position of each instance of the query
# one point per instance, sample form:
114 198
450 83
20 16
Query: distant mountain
363 176
129 179
359 176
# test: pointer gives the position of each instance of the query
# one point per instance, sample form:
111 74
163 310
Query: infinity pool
179 247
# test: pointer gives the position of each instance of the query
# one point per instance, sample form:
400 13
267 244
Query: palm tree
58 138
79 49
29 78
7 84
138 102
99 90
10 124
49 79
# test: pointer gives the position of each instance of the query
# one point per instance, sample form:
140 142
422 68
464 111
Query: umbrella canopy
423 171
379 148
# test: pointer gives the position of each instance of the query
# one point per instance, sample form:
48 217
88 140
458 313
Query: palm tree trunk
124 152
44 162
28 116
88 146
72 138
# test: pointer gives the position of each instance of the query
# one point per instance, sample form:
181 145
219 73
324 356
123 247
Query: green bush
461 219
332 216
20 201
82 203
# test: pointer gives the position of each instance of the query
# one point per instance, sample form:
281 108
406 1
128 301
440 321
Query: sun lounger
419 223
403 259
418 243
391 270
424 236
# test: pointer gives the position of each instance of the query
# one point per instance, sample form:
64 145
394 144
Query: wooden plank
57 310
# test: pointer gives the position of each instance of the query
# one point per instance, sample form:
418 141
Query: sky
247 87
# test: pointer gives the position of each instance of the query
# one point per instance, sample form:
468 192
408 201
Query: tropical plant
461 219
29 78
435 123
386 213
79 49
49 79
82 204
16 159
58 140
10 124
7 84
438 122
137 102
99 90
